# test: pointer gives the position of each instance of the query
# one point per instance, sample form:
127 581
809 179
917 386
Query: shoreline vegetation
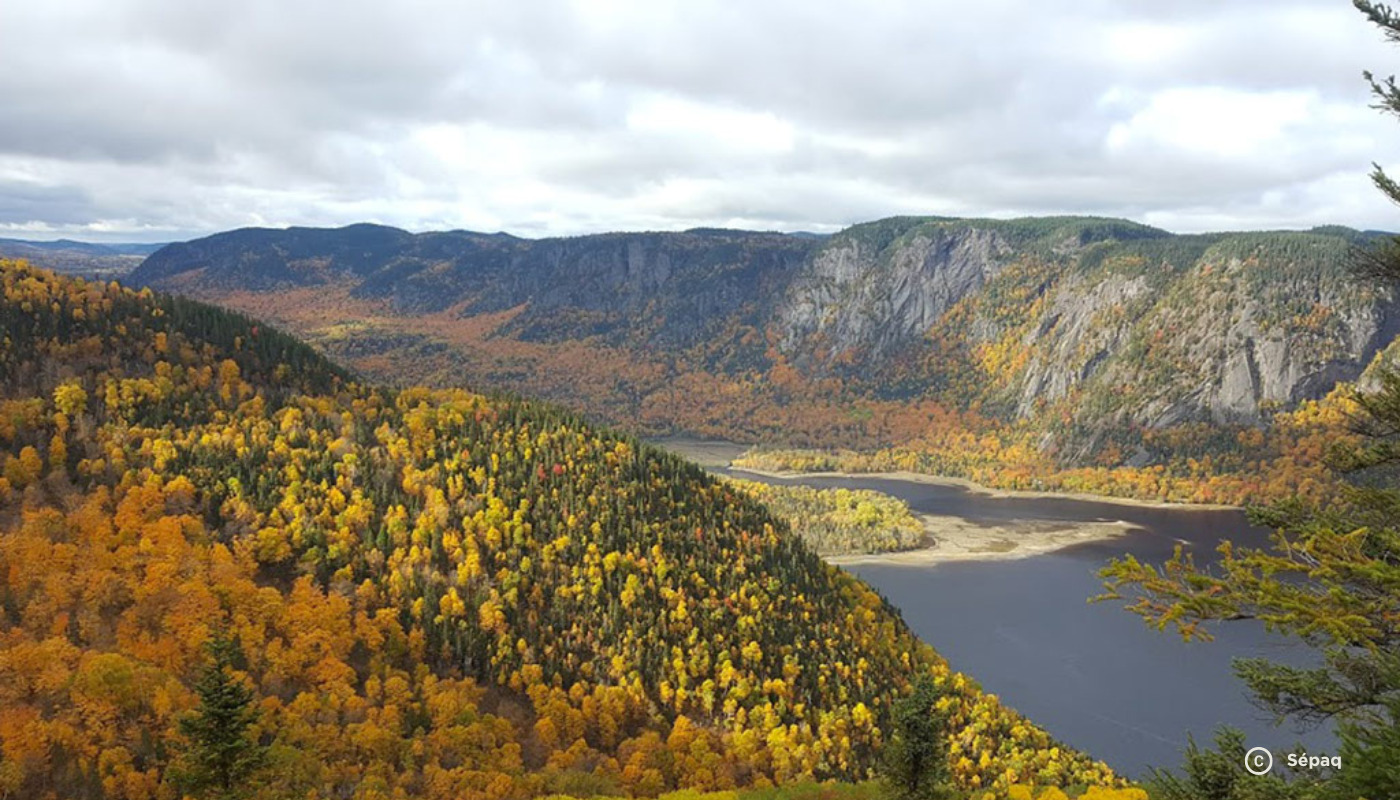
818 463
945 538
736 457
978 488
949 538
842 522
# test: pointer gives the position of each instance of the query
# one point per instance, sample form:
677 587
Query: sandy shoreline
957 539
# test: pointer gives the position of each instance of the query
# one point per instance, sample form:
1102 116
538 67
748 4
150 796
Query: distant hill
91 248
1078 337
67 255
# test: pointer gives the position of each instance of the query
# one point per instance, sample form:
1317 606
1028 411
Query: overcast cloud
150 120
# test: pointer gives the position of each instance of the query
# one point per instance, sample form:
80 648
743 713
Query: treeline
1288 460
841 521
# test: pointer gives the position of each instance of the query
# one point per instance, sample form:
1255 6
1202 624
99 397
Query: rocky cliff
1084 325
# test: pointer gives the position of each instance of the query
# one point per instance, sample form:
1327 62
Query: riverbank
958 539
954 538
950 537
720 454
940 480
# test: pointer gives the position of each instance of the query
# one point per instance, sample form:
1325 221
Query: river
1093 675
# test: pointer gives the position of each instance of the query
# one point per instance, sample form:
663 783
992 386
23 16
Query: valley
1070 354
79 258
434 592
867 388
476 521
1095 677
699 401
610 617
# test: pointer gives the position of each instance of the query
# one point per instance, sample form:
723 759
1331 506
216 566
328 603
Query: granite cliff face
1087 325
857 296
1128 328
1252 325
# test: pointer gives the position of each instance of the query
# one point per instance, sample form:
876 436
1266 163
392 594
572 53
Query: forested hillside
1014 351
429 594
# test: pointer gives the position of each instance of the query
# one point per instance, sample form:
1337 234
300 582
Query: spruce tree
916 758
1332 574
220 756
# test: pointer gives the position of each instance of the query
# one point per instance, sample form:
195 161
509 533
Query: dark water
1092 674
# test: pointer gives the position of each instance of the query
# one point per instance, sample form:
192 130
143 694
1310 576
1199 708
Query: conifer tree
916 759
1332 574
221 755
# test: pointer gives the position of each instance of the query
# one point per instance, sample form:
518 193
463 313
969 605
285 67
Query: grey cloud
22 204
193 116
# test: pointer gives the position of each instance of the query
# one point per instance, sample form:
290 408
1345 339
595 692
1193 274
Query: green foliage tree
222 755
1220 774
1371 758
1330 578
916 758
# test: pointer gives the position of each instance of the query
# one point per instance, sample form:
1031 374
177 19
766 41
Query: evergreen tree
221 755
1332 575
916 758
1220 774
1370 758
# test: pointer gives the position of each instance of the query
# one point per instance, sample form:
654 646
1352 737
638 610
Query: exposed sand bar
958 539
950 537
955 538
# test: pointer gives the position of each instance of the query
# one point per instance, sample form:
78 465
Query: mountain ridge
1088 330
68 255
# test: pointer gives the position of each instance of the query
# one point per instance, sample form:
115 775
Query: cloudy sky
149 120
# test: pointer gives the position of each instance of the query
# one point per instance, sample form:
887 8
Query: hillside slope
434 594
1089 340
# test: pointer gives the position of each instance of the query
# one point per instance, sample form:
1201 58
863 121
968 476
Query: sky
157 120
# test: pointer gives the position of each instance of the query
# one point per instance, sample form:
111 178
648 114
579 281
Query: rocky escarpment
1082 326
876 289
856 296
1253 325
667 289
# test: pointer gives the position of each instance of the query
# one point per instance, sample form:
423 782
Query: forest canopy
423 593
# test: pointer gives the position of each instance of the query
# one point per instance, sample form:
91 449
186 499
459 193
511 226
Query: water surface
1093 675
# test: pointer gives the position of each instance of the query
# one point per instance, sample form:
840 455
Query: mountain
1079 334
666 289
67 255
90 248
426 593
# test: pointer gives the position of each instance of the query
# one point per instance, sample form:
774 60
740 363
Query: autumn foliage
432 594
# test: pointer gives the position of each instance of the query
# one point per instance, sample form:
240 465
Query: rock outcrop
1094 324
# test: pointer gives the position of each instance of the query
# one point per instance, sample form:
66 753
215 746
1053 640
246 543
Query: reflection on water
1092 674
